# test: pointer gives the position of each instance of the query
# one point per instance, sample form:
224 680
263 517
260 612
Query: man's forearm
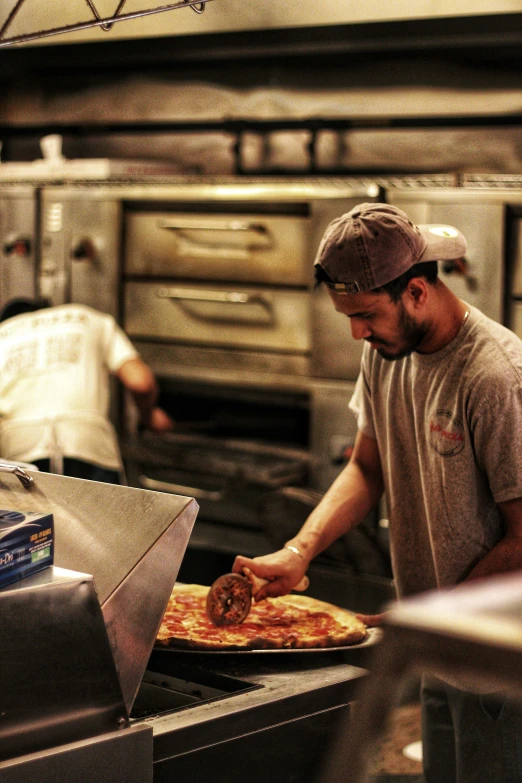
505 556
348 501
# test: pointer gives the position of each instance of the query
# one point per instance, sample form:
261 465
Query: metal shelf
239 128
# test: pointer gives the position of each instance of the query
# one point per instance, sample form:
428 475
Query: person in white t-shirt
55 369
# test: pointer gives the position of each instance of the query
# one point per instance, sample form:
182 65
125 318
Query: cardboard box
26 544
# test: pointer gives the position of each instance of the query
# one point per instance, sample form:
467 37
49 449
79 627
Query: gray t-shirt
449 430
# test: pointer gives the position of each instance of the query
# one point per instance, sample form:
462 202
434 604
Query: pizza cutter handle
257 583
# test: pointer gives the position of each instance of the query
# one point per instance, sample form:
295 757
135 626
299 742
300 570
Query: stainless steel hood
131 541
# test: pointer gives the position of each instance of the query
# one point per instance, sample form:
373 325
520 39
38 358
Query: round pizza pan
373 637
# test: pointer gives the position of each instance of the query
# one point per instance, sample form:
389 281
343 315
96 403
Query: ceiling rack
104 23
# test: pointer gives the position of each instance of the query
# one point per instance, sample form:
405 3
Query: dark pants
79 469
469 738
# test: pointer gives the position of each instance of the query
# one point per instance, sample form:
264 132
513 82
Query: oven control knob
85 250
341 449
20 247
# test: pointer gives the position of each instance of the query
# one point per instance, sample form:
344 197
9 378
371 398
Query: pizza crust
288 622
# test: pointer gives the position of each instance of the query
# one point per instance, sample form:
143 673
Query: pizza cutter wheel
230 596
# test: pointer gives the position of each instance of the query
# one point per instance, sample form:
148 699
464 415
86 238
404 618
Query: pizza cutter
230 596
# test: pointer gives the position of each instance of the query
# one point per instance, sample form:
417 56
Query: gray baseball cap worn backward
376 243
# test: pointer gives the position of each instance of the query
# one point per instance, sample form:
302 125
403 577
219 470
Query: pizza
288 622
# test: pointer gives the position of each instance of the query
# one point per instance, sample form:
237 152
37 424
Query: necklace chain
466 314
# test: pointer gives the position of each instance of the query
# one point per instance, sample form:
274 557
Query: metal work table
299 701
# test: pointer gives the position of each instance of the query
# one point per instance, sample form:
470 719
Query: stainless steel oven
213 282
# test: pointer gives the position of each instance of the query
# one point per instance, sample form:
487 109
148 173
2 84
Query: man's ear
417 291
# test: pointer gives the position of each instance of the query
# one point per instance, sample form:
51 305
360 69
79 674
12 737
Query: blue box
26 544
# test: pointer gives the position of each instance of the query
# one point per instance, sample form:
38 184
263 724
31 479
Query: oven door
245 246
218 315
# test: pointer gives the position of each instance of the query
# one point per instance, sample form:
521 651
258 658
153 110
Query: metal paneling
123 756
17 243
333 430
80 251
482 222
516 284
58 679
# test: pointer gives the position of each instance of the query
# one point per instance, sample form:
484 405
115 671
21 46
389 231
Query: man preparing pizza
438 404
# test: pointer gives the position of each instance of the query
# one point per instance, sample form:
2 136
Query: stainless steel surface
516 318
335 354
58 678
291 689
481 218
104 23
22 475
167 486
80 252
18 217
516 280
122 756
333 429
226 365
132 541
374 637
471 636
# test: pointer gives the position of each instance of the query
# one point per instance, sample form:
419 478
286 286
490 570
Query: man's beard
411 334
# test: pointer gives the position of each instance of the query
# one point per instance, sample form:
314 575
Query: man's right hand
283 569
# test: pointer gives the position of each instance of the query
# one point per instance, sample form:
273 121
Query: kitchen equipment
149 714
214 280
19 209
230 596
131 541
58 678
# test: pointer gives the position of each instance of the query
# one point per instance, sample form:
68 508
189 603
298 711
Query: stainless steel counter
302 698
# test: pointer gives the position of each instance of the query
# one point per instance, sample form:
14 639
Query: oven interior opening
169 688
250 414
230 446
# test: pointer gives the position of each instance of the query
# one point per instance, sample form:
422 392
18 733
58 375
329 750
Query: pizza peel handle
230 596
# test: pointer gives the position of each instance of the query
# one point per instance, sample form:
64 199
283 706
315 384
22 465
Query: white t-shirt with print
55 366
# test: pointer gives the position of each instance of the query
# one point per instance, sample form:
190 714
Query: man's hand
283 569
159 421
371 620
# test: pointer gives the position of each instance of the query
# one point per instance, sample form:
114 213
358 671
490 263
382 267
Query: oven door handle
226 297
179 489
233 225
265 240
